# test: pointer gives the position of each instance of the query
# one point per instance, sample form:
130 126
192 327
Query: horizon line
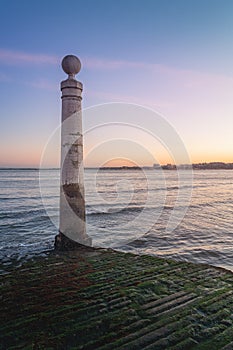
114 167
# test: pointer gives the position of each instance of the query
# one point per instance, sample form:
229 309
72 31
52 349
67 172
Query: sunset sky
172 56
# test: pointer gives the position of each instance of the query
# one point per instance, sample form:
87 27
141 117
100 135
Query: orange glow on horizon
32 157
208 158
34 162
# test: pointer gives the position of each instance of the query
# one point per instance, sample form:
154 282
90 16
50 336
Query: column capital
71 88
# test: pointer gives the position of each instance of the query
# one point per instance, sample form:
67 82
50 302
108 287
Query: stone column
72 202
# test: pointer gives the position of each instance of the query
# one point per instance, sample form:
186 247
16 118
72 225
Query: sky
174 57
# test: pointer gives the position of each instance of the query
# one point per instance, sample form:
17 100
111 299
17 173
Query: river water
130 210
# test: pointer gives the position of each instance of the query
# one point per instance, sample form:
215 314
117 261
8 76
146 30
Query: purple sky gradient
172 56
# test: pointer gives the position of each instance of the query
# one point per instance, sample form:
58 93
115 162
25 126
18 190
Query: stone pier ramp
106 300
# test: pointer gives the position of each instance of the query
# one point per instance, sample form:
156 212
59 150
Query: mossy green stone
101 299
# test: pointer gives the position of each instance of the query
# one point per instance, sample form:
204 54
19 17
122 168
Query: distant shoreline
195 166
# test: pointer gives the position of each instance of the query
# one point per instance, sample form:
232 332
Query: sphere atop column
71 65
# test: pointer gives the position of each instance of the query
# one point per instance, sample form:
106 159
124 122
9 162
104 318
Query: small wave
172 188
116 210
23 198
168 207
22 214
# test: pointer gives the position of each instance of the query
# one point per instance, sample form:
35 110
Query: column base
63 243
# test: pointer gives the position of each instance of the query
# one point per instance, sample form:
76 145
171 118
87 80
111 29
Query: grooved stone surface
101 299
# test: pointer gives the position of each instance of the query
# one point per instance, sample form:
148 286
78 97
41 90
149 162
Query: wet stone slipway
106 300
